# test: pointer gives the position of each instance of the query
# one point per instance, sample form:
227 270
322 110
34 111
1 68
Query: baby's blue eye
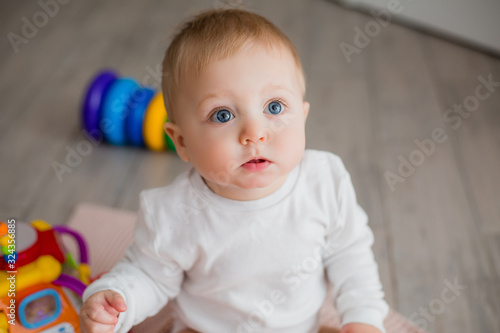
275 107
222 116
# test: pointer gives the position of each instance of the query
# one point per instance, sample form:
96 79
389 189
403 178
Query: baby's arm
99 313
351 267
146 278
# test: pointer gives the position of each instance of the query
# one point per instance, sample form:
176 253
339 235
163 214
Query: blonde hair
216 35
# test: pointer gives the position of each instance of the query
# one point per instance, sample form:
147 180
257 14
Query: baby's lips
257 159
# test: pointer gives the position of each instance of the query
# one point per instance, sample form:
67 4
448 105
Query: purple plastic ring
71 283
94 99
82 245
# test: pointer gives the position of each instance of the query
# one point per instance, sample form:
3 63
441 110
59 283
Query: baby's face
247 106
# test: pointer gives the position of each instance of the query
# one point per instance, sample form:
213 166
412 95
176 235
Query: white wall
475 22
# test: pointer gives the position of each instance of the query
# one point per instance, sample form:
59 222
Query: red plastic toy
40 283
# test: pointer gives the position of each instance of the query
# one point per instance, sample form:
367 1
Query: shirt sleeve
350 264
146 277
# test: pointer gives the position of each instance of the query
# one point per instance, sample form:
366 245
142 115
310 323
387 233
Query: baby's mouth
256 164
256 161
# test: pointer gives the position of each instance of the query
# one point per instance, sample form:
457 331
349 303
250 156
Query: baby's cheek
291 138
215 157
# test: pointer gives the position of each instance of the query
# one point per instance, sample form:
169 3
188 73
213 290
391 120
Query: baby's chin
240 185
262 184
247 188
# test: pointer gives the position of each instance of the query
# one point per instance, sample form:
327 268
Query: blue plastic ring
137 107
92 104
115 110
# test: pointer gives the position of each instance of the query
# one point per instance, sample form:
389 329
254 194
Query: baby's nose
254 131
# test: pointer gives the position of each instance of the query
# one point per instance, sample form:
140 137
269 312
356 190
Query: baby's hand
359 328
99 313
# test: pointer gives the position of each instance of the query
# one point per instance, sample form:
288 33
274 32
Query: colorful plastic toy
115 109
134 122
41 288
153 124
91 109
124 113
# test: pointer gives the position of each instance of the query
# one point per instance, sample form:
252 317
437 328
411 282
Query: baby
250 237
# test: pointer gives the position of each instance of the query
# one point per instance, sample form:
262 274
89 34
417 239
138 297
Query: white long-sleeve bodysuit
251 266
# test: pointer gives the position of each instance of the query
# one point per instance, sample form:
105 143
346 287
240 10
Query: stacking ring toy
92 105
115 110
121 112
154 120
137 107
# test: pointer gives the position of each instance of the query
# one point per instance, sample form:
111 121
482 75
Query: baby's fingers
99 316
115 301
104 307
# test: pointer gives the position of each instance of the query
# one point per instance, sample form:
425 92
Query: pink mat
109 231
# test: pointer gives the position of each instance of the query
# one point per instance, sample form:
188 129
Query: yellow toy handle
44 269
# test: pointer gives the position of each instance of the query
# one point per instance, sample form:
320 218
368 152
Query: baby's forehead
249 83
199 59
195 67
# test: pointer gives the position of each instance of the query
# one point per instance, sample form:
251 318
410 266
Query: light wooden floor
440 226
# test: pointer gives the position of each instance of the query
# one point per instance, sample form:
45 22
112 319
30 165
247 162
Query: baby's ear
306 107
175 134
